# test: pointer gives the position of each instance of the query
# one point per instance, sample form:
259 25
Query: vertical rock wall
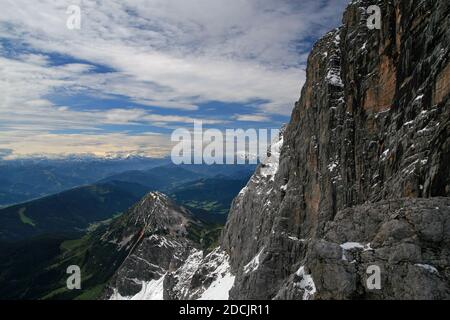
364 161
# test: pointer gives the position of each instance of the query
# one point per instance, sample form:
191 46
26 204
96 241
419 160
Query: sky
136 70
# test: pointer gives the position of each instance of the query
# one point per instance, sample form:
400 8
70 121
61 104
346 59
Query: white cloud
169 54
19 144
252 117
195 51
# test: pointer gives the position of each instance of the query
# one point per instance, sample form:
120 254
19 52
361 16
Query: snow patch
125 241
419 97
306 283
385 155
151 290
253 265
332 166
270 164
427 267
185 273
354 246
224 281
163 242
334 78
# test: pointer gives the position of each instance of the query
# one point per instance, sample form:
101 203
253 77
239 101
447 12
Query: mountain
74 210
222 170
171 176
24 265
68 212
160 178
35 269
357 185
120 260
206 190
362 178
166 245
209 198
27 179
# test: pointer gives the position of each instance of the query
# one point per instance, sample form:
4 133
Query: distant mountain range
74 210
210 195
36 268
39 238
28 179
68 212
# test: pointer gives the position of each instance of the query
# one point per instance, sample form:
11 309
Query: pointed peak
155 196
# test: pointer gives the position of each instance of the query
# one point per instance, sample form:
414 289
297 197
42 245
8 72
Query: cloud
59 145
195 51
252 118
168 56
126 116
26 82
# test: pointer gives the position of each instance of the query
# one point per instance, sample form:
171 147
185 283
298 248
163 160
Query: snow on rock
306 283
296 239
427 267
125 241
214 266
185 273
271 163
151 290
220 288
332 166
253 265
224 279
385 155
420 97
164 242
334 78
202 278
354 246
243 191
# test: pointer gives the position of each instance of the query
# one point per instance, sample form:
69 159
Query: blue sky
138 69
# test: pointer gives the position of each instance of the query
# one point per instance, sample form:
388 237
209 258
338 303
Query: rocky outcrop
155 235
363 175
164 259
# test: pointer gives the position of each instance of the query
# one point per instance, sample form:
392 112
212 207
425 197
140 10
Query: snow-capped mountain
164 257
360 182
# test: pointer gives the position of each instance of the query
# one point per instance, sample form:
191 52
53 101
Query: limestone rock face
161 259
154 234
362 177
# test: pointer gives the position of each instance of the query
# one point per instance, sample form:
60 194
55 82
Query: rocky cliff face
363 174
164 259
154 234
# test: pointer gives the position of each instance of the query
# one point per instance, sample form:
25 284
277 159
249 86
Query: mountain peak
156 198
